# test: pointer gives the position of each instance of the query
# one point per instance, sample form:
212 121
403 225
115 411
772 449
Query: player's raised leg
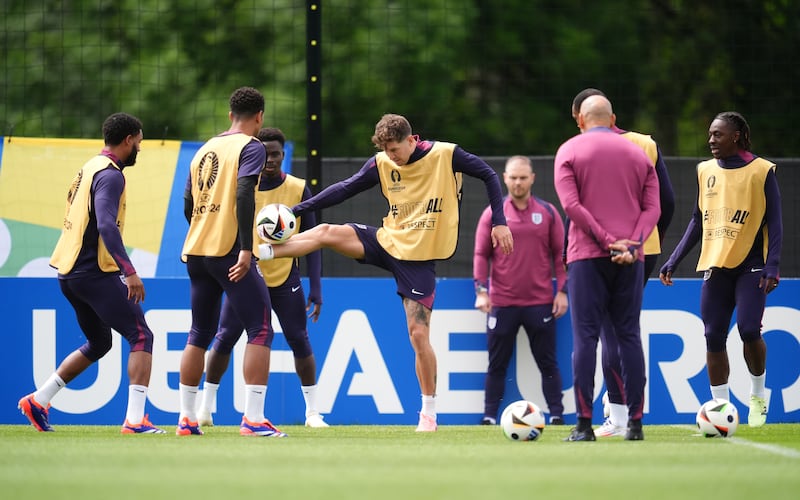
341 238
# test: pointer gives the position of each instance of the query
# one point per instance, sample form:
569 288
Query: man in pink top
609 190
517 289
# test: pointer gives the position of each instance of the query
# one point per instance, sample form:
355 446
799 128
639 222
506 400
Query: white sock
619 414
757 383
310 396
265 251
209 400
188 402
255 396
49 389
137 395
429 405
721 392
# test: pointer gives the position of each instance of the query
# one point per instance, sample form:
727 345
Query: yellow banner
36 173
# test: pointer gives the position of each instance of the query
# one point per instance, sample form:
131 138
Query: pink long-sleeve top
608 189
525 276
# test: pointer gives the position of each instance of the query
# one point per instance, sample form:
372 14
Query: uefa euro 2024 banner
364 359
365 363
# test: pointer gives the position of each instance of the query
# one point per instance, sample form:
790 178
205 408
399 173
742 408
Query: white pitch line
770 448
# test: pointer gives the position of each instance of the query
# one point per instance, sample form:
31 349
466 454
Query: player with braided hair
737 220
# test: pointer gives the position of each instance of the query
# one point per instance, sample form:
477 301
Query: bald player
616 410
609 190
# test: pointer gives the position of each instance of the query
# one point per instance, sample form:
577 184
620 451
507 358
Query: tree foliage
495 76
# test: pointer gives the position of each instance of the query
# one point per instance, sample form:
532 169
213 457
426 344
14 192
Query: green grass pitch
394 462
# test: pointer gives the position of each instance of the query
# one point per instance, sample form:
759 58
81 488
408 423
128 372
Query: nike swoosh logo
755 270
295 288
548 319
414 291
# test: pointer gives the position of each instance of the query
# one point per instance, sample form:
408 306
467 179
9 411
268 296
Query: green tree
496 76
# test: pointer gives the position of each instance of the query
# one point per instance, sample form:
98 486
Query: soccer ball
522 421
717 418
275 223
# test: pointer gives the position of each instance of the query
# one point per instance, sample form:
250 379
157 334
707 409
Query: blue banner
365 361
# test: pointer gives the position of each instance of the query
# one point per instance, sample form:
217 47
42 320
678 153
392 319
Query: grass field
394 462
